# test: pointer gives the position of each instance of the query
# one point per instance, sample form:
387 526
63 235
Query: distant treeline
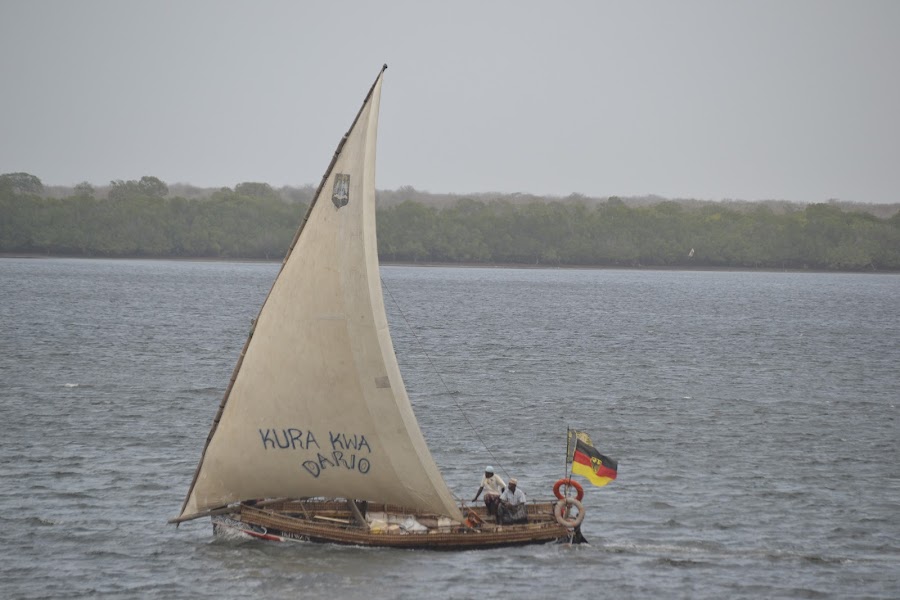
141 219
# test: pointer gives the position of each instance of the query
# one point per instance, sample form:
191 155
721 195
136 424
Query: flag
573 435
589 463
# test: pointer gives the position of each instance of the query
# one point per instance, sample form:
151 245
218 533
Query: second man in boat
511 509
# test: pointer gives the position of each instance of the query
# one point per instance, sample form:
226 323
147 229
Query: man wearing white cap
492 486
512 507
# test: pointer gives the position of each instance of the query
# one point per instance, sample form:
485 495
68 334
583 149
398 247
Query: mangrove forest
145 218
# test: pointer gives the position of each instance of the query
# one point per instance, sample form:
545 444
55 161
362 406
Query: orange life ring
571 483
559 511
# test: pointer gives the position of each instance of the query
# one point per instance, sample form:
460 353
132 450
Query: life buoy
559 511
571 483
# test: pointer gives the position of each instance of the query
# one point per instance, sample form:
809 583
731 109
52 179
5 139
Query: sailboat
315 438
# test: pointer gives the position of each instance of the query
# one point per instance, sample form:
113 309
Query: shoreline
469 265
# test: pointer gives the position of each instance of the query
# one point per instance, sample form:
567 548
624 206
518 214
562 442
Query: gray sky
786 99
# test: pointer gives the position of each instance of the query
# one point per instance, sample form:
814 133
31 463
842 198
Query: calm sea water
754 417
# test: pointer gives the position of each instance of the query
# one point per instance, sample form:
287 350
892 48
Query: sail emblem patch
340 194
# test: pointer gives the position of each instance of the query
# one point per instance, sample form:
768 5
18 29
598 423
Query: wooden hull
332 522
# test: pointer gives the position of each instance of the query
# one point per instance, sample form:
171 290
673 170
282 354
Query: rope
438 373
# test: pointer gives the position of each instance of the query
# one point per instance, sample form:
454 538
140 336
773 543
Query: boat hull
332 522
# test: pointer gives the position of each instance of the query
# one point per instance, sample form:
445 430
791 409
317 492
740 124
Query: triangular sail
317 406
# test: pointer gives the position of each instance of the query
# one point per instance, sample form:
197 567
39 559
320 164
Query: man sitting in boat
512 509
493 486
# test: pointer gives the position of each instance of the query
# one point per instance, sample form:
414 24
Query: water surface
754 417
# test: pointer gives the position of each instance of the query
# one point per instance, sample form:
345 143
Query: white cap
489 469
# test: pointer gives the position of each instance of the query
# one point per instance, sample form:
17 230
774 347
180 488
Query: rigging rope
438 373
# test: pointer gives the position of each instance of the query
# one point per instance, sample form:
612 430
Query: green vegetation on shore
254 221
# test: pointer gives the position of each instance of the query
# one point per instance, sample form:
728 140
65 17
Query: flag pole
571 436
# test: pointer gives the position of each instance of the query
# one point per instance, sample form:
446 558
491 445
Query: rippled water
754 417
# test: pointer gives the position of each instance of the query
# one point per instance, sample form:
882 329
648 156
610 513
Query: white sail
318 406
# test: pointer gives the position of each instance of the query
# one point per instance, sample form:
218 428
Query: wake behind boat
315 438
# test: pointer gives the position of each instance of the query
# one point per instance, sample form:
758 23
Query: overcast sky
785 99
